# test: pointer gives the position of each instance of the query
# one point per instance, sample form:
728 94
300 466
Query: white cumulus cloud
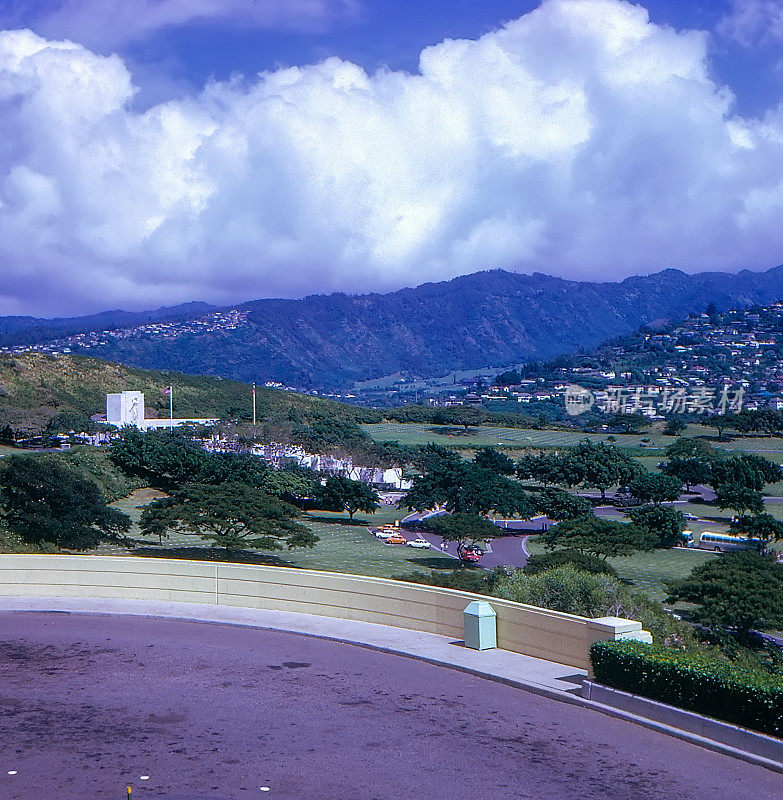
580 140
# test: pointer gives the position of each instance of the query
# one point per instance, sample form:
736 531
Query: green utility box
480 626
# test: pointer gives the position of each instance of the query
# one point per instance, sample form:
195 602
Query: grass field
410 433
351 548
343 546
649 571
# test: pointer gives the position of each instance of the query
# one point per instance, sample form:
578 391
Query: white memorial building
127 408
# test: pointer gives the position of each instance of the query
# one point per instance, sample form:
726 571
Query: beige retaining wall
538 632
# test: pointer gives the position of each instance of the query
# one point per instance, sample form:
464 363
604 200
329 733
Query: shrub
477 581
566 589
693 681
559 558
592 595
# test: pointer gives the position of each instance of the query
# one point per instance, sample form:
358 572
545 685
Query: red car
470 554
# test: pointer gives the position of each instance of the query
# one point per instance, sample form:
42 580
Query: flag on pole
169 390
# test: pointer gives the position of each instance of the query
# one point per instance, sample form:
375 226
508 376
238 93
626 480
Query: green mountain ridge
493 317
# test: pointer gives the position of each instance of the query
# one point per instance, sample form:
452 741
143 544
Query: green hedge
696 682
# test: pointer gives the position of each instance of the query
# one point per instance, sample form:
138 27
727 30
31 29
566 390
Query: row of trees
471 490
232 501
738 481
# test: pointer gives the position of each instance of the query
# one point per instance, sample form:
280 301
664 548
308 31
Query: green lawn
649 571
343 547
410 433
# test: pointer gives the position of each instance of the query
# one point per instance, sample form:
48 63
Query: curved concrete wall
538 632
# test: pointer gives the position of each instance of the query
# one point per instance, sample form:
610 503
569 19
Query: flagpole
254 405
171 407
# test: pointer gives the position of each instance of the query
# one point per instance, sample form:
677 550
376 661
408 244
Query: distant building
127 408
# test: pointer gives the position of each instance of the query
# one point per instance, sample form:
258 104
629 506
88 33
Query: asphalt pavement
181 710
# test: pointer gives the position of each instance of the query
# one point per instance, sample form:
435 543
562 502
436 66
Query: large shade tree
45 501
655 488
234 517
600 537
492 459
560 505
665 522
344 494
763 527
690 471
465 487
464 529
740 498
591 466
169 459
739 591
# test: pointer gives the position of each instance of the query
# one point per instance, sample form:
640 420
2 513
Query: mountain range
330 341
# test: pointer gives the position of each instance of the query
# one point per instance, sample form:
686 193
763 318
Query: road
507 551
91 703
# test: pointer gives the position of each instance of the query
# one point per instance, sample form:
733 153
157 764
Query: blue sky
148 162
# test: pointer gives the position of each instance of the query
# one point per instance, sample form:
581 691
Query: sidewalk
501 665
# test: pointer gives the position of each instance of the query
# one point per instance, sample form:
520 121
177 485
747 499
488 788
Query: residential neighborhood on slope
224 320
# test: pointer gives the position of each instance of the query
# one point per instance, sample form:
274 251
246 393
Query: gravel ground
90 703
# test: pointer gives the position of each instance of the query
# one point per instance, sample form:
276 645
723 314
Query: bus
723 542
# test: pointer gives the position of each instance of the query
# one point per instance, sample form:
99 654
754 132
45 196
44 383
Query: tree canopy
489 458
760 526
739 497
599 537
169 459
45 501
464 529
344 494
665 522
233 516
560 505
741 590
690 471
655 488
292 486
466 487
592 466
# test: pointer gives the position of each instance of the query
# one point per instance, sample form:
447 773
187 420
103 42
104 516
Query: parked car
470 554
423 543
386 534
396 540
690 516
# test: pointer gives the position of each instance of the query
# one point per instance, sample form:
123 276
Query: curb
741 740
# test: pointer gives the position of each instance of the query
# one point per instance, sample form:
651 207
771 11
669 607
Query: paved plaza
206 711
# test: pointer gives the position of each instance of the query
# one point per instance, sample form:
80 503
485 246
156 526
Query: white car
386 534
418 543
